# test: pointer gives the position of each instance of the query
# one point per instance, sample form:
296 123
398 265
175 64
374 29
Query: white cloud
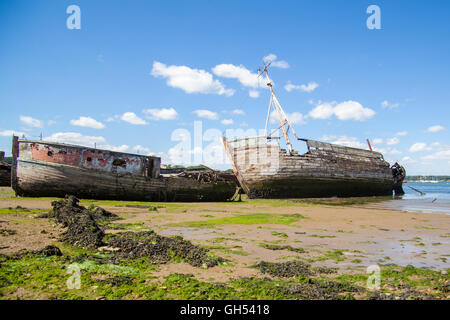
408 160
238 112
270 57
276 63
88 141
311 86
190 80
419 147
289 86
392 141
161 114
132 118
87 122
322 111
380 150
294 118
435 144
253 94
141 150
436 128
280 64
440 155
122 148
114 118
227 121
389 105
352 110
31 122
207 114
401 133
242 74
347 110
212 154
76 138
377 141
345 141
394 151
9 133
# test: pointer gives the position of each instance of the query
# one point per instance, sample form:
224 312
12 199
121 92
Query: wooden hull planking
5 175
266 171
111 176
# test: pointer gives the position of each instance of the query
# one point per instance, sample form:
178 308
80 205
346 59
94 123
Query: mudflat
273 241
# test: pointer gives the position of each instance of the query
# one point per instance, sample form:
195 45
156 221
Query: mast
283 120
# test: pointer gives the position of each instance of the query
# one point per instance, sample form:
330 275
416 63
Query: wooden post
15 155
280 112
368 142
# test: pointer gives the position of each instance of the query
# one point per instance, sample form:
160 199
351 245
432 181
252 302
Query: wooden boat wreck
5 171
54 169
264 170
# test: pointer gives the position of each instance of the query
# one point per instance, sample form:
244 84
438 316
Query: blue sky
139 73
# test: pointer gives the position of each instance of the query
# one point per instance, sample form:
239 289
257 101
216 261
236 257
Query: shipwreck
265 170
5 171
52 169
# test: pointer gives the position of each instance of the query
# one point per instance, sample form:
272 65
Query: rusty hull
264 170
54 169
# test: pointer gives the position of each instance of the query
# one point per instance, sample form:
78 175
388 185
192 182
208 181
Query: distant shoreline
430 178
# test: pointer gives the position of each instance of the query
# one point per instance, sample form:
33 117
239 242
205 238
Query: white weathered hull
265 170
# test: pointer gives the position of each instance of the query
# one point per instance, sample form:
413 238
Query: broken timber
5 171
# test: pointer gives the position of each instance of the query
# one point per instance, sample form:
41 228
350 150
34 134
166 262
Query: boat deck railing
252 141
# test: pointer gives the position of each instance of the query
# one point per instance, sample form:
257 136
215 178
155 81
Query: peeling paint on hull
48 169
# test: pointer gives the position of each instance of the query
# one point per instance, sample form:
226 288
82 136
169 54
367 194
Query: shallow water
435 199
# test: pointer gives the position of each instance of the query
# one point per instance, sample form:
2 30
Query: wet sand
425 205
349 238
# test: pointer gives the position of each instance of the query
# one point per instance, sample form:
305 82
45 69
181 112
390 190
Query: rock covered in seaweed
83 230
